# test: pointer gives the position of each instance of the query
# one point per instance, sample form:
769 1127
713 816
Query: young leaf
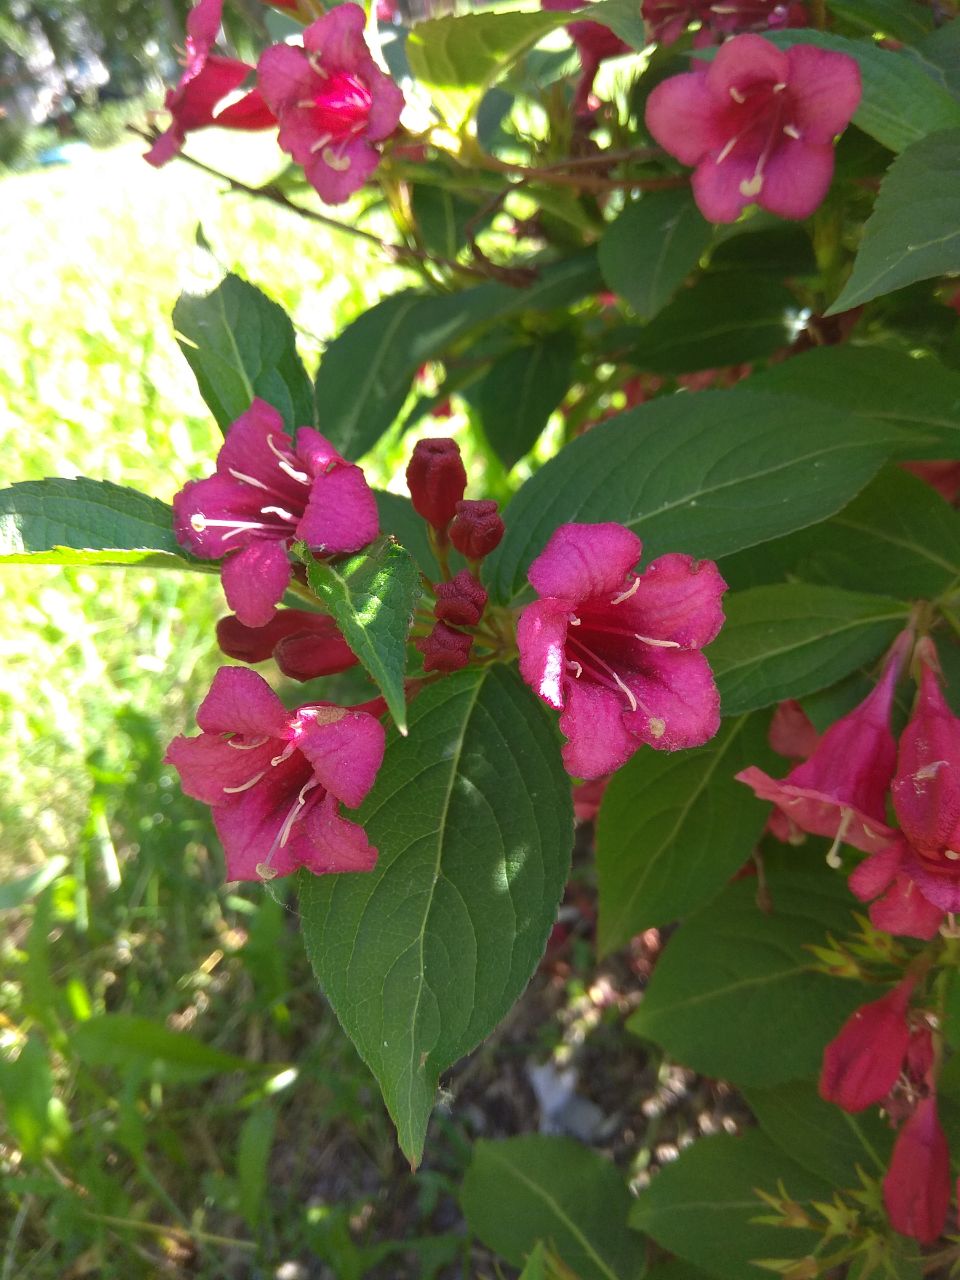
785 640
710 325
422 956
240 344
704 1205
706 474
88 522
123 1040
521 390
372 596
734 994
522 1190
674 827
914 230
458 57
253 1154
651 247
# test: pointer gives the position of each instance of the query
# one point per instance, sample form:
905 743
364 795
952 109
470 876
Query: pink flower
863 1061
758 123
916 1189
266 493
275 778
619 654
595 43
668 19
207 79
332 100
791 732
304 645
841 790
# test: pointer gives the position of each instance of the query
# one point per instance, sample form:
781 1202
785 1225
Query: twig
395 252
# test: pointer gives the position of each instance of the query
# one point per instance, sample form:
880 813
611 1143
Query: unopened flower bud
303 644
460 601
476 529
445 649
916 1189
436 479
862 1063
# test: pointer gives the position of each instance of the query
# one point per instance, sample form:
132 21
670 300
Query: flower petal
717 187
208 765
681 115
593 723
241 701
326 842
677 600
541 634
796 178
353 163
825 88
903 910
345 749
248 113
677 700
285 77
584 560
255 579
338 38
250 828
743 61
341 513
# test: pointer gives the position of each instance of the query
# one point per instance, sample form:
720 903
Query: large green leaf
88 522
825 1139
735 994
522 1190
914 230
422 956
366 373
704 1206
902 19
707 474
521 390
674 827
397 517
651 247
372 595
792 638
712 323
240 344
458 57
903 99
917 394
897 536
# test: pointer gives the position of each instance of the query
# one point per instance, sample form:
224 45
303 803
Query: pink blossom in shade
333 102
619 653
899 906
841 790
791 732
595 43
275 778
207 79
916 1189
862 1063
304 645
266 493
758 124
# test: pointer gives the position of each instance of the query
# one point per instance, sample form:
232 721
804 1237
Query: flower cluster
886 1054
331 101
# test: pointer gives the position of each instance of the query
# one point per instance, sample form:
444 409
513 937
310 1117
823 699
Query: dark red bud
916 1189
445 649
436 479
304 644
460 601
862 1062
476 529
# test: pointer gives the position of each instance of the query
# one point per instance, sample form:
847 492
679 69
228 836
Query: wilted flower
758 123
268 492
275 778
619 654
332 101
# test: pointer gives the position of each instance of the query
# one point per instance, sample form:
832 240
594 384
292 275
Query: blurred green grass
119 1160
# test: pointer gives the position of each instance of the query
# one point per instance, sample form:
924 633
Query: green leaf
253 1155
372 596
624 18
898 536
123 1040
825 1139
88 522
535 1267
422 956
712 324
789 639
522 1190
366 373
459 57
734 994
676 1269
240 344
397 517
783 250
918 395
914 230
903 99
901 19
35 1116
707 475
17 893
521 390
651 247
674 827
704 1205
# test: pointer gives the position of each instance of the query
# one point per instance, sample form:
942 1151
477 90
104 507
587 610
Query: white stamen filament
320 143
294 813
245 786
313 57
833 853
625 595
574 620
779 86
951 854
306 104
278 511
630 698
199 523
340 163
753 186
285 465
247 746
575 667
727 148
792 131
736 95
265 871
658 644
240 475
285 754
